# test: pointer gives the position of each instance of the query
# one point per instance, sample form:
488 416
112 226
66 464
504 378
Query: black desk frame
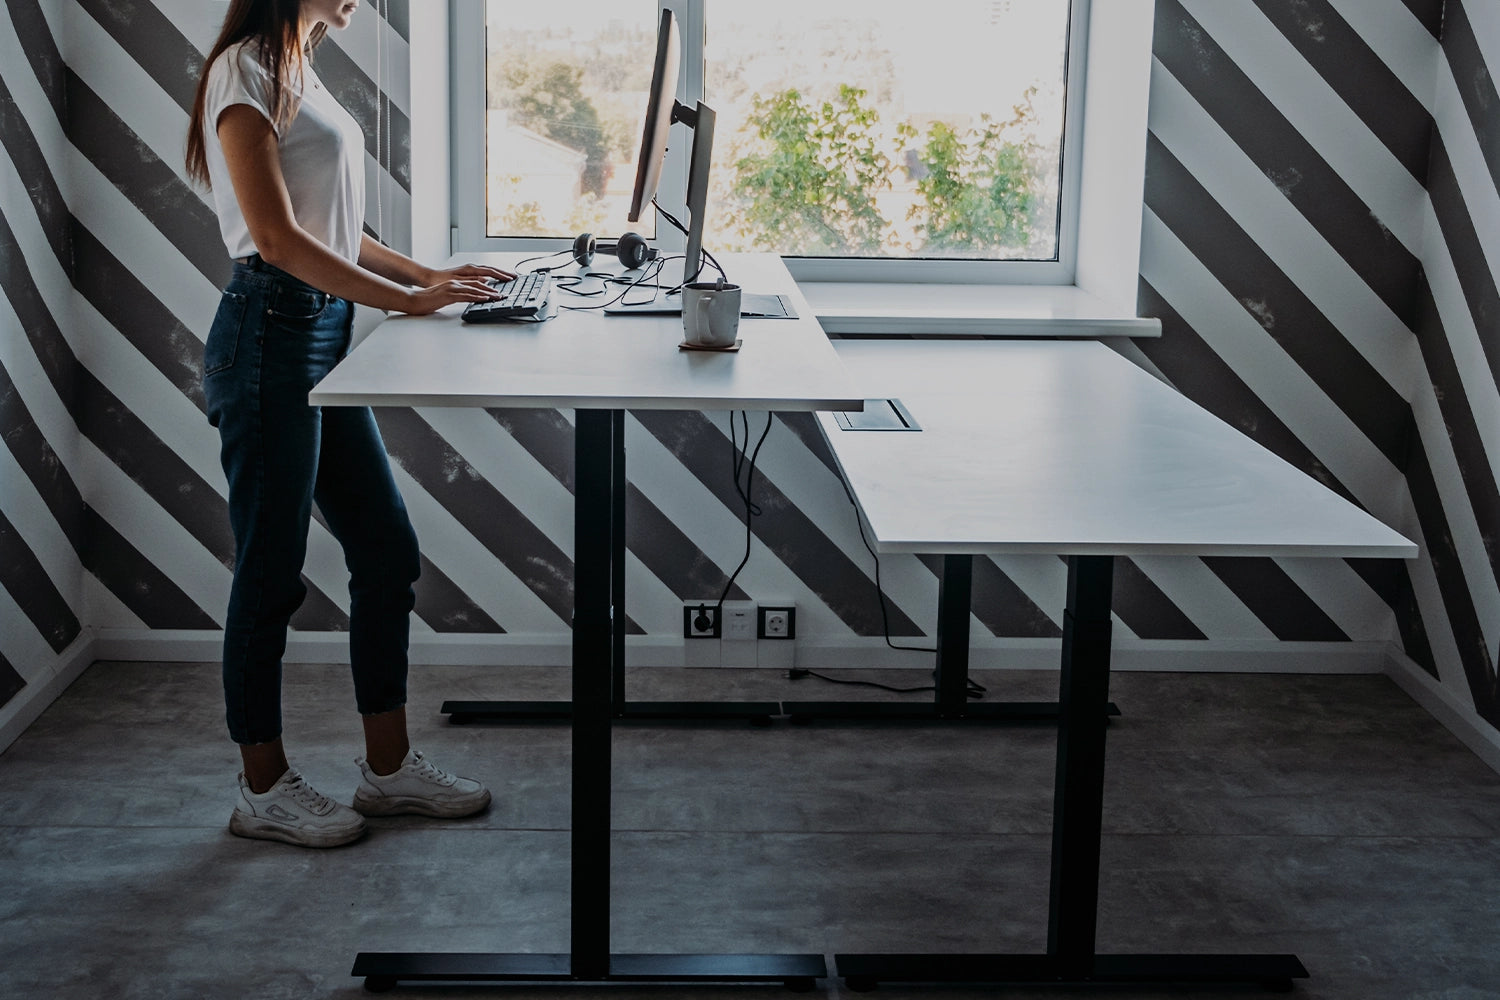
598 667
1082 713
1077 820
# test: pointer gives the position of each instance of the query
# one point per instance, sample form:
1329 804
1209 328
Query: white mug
710 313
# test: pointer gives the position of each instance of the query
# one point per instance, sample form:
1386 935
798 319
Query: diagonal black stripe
1467 250
1463 432
1276 303
357 93
785 530
1144 609
1475 83
442 604
107 283
1370 88
124 438
1391 579
151 186
484 511
129 575
662 547
1202 376
805 426
101 277
23 576
41 49
1000 605
109 423
1458 601
1281 153
1429 13
1275 599
398 15
10 681
46 197
153 41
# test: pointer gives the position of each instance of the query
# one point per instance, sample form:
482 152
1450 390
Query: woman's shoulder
242 60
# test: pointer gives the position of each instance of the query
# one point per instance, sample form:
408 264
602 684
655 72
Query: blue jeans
272 339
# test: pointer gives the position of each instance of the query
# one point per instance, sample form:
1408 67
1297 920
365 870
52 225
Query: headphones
632 250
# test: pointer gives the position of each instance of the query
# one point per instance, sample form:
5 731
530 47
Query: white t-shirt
322 154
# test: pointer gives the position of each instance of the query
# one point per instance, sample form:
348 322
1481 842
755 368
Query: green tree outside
807 179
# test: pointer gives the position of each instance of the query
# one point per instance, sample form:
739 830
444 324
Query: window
858 140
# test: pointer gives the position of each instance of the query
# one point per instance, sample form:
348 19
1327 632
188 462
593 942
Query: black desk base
1272 972
920 711
383 970
464 712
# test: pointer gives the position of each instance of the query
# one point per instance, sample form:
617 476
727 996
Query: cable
976 690
683 230
751 510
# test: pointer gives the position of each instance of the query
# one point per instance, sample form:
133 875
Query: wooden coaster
685 346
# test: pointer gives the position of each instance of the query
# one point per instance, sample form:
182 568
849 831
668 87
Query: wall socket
701 620
776 622
748 636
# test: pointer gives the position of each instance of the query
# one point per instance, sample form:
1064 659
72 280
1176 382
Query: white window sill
970 310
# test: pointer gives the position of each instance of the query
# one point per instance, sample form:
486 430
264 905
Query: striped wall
1289 248
1313 241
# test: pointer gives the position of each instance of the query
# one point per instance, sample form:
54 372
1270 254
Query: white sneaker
294 811
418 788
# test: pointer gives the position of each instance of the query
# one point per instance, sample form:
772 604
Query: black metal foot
860 984
800 984
379 984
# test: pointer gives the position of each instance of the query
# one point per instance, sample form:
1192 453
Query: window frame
1104 140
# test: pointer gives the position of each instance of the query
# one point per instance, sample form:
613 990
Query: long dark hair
276 23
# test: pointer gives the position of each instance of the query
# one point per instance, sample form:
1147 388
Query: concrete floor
1326 816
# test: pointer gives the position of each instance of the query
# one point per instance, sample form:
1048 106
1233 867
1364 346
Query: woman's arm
255 171
388 263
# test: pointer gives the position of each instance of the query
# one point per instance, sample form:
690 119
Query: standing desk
1066 448
598 366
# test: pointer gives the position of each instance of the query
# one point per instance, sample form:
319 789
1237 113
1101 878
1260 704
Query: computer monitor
662 110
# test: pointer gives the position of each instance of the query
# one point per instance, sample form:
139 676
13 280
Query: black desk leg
593 664
617 557
955 599
1078 803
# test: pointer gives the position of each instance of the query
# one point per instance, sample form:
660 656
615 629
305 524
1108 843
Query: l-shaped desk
1054 447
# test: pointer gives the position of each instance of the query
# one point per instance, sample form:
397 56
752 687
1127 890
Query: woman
285 164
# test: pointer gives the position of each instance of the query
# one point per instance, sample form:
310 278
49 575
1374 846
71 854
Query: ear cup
583 249
633 250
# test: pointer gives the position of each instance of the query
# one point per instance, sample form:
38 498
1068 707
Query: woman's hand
422 301
478 271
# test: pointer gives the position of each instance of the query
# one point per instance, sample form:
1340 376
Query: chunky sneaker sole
294 813
418 788
263 829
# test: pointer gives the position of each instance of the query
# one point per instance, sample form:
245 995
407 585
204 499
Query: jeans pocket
224 335
297 305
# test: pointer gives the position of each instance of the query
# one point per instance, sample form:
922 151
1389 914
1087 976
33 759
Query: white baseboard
1456 715
428 649
41 691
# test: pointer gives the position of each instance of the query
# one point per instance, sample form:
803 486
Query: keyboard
526 296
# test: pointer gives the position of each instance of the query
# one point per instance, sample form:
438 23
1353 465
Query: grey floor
1326 816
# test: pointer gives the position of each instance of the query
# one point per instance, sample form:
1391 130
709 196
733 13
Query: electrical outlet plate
776 622
700 620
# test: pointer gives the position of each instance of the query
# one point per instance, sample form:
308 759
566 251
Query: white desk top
1065 447
592 361
970 310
